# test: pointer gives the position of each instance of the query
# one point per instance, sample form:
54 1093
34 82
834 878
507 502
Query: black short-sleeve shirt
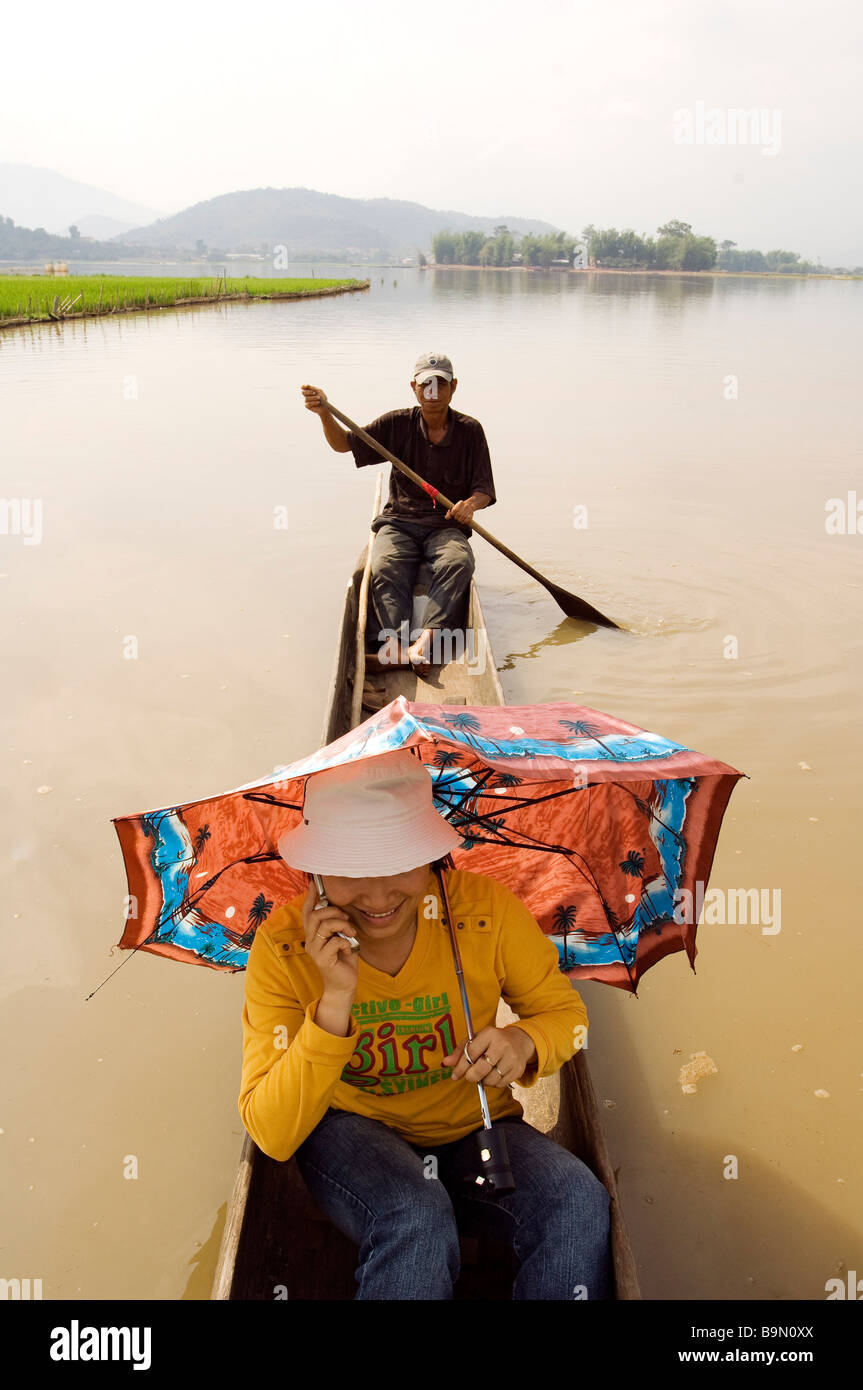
458 466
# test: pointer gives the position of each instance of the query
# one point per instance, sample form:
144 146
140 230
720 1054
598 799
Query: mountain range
307 222
35 197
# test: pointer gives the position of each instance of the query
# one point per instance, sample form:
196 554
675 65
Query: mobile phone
323 901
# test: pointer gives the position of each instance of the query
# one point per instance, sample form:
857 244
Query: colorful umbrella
606 832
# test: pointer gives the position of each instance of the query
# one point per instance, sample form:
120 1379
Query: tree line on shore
24 243
476 248
675 247
27 243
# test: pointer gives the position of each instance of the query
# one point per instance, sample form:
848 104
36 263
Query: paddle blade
575 607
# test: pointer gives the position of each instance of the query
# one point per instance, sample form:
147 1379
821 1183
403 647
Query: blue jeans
399 550
373 1187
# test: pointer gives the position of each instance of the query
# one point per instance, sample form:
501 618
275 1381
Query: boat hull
276 1243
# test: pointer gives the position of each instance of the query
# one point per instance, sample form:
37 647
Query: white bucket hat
369 819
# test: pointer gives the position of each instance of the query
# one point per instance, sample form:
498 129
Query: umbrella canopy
603 830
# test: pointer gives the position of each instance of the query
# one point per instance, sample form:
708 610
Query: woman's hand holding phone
332 954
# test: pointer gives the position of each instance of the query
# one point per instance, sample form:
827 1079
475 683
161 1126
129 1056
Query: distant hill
35 197
103 228
311 223
29 244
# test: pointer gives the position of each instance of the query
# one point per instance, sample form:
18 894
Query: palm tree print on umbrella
260 910
258 913
564 921
633 867
467 724
444 760
464 724
202 835
633 864
582 728
486 822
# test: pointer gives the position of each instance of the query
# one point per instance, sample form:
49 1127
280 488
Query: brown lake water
705 425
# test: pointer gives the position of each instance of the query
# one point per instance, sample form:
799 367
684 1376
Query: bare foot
419 654
392 654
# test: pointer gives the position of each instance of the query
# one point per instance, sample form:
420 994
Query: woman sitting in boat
449 450
357 1061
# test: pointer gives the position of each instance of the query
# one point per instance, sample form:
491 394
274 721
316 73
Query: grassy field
28 298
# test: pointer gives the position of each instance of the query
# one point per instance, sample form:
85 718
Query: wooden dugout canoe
276 1243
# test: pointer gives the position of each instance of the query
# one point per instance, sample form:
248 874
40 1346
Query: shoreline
146 308
618 270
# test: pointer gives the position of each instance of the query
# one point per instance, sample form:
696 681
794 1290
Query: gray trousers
399 550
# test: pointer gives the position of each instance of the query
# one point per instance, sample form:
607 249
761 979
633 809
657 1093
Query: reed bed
38 298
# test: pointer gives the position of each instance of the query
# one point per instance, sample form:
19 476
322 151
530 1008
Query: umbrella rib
584 868
444 782
116 968
624 961
645 896
652 813
519 803
573 856
473 818
154 935
271 800
527 842
191 901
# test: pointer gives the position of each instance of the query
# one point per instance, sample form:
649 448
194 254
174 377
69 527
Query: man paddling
448 450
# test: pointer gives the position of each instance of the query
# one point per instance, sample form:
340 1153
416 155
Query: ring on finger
486 1058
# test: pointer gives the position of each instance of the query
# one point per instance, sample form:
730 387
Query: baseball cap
433 364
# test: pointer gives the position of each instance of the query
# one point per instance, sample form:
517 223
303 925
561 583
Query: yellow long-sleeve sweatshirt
390 1064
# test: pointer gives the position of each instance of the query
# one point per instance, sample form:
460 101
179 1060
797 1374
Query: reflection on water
701 425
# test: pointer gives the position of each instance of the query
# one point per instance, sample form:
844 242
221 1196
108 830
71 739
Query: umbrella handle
486 1114
494 1175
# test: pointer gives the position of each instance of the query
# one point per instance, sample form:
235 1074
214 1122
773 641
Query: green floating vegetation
29 298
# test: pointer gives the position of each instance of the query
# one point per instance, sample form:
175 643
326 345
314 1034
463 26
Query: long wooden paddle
572 605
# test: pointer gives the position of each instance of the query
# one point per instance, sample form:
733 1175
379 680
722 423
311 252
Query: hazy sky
561 111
